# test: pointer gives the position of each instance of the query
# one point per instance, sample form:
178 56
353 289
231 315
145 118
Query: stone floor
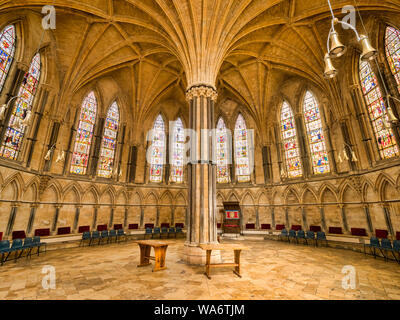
271 270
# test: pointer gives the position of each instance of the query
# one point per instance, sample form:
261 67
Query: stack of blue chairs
284 234
385 246
156 231
310 235
121 233
171 231
301 235
178 231
321 237
292 235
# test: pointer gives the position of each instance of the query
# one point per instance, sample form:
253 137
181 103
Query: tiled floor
271 270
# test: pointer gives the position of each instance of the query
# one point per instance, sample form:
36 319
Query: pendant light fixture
336 48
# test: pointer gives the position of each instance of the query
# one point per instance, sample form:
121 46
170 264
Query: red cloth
335 230
382 234
315 228
83 229
265 226
165 225
250 226
64 230
397 235
1 236
118 226
296 227
280 227
359 232
133 226
219 225
42 232
179 225
18 235
102 227
149 225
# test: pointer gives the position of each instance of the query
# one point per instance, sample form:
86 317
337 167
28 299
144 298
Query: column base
193 254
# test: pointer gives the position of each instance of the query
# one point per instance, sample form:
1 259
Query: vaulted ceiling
156 49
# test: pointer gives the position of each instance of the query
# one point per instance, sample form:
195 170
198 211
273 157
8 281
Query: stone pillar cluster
202 227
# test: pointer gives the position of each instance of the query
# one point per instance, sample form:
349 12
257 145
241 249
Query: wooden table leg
237 261
208 262
144 254
160 253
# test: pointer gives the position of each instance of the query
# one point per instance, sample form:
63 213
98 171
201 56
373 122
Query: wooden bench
160 251
223 247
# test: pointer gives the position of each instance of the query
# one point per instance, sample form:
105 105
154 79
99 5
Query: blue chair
38 244
149 231
16 246
112 235
292 235
310 235
386 246
164 232
396 248
104 235
171 231
121 233
321 237
4 249
95 236
301 235
284 234
178 231
85 236
156 231
28 245
373 245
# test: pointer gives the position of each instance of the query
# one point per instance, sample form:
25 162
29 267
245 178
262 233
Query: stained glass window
15 131
377 112
392 44
177 151
109 143
222 153
315 133
84 135
7 49
157 150
242 151
290 142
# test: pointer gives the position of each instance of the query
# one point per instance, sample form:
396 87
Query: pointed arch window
290 142
177 151
222 152
377 112
15 131
7 50
84 135
242 151
109 142
315 133
157 150
392 45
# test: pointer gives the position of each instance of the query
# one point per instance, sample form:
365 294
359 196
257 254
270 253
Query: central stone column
202 228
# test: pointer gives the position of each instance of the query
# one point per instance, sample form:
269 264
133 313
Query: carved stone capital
201 91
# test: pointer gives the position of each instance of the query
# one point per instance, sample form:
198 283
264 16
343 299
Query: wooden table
237 248
160 250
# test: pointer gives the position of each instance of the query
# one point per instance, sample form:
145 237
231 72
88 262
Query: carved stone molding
201 91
